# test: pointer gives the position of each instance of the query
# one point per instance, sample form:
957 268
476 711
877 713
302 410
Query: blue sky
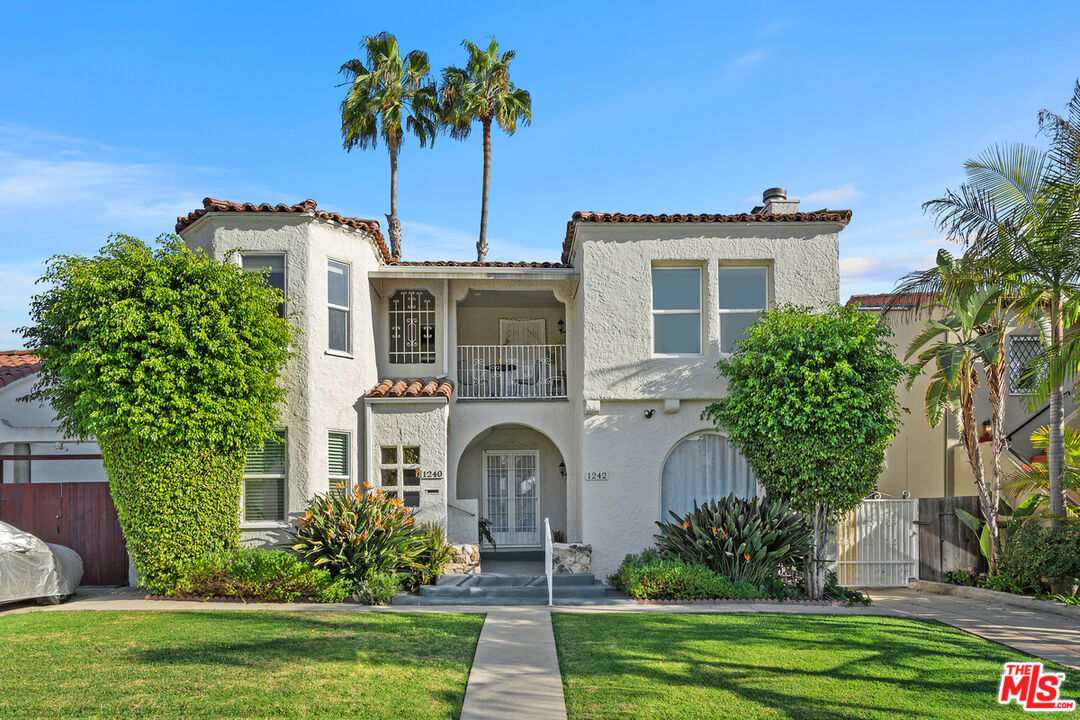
118 118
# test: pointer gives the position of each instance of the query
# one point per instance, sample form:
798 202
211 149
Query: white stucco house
568 390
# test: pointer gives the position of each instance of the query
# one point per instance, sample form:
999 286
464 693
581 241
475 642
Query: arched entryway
700 467
517 475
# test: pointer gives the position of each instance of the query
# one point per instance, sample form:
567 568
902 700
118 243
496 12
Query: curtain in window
700 468
516 331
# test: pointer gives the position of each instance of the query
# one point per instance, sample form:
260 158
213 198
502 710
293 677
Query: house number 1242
596 476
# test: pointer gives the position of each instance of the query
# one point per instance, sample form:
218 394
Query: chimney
777 203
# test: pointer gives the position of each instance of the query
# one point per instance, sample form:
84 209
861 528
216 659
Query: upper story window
412 327
337 300
744 296
273 265
676 302
1022 348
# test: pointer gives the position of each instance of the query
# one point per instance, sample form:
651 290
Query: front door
512 496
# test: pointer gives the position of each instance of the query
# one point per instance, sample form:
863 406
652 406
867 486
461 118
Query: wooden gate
944 542
79 515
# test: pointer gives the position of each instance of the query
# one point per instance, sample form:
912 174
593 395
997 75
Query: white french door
512 496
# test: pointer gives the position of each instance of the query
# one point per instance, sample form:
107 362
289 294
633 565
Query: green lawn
778 666
224 664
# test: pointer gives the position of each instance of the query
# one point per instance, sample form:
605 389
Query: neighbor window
744 296
676 302
399 472
337 300
273 265
1022 348
338 465
264 482
412 327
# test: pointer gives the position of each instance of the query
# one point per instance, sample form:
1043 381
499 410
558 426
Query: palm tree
482 92
382 93
957 344
1034 479
1024 205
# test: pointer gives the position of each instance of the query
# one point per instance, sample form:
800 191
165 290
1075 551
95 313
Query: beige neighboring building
569 390
930 462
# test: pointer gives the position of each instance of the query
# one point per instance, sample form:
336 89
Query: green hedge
176 506
1037 556
649 577
257 574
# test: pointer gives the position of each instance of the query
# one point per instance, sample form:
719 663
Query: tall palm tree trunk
970 438
393 225
1056 450
995 383
481 245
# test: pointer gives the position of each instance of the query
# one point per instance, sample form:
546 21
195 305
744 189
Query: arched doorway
517 475
701 467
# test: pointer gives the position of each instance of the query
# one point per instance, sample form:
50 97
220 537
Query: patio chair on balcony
473 377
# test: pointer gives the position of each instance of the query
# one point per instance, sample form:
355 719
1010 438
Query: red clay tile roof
412 388
306 207
15 364
455 263
842 216
898 301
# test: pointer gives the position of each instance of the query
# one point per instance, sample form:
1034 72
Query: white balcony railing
512 371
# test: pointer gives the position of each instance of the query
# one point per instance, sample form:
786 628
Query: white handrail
511 371
547 557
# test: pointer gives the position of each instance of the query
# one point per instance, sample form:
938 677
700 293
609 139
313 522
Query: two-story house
568 390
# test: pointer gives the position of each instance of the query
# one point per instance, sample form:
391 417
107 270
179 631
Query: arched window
412 327
702 467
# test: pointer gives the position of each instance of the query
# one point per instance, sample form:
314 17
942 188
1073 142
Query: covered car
32 569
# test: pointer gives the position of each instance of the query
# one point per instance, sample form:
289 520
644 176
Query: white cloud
879 269
751 58
425 241
833 195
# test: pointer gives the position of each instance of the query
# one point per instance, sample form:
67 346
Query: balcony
519 372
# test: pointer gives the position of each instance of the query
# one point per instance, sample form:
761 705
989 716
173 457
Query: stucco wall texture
599 430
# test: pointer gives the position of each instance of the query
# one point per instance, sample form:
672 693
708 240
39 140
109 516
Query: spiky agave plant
741 539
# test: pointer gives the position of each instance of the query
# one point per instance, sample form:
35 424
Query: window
744 296
399 472
700 468
1022 348
676 301
264 482
412 327
337 299
273 265
338 464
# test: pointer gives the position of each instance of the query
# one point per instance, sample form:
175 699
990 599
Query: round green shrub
651 577
175 505
1038 556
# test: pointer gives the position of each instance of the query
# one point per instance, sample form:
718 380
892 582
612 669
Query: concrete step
513 580
595 590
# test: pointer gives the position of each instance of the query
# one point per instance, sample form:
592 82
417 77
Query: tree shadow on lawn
266 640
895 667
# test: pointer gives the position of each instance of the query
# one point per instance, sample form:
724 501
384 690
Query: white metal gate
512 496
877 544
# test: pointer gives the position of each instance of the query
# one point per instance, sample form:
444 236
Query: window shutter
339 455
267 460
264 499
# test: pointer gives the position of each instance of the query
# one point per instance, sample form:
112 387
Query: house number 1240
596 476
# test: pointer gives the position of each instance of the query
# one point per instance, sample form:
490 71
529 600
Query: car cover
32 568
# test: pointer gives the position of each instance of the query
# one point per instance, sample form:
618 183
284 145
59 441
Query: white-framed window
676 310
1022 348
337 300
338 470
399 472
744 296
273 265
264 482
412 327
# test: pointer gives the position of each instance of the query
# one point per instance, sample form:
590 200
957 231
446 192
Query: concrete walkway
515 672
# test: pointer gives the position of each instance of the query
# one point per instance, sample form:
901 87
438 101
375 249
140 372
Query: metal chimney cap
774 193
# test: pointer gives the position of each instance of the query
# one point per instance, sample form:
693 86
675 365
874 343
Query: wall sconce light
562 469
562 326
986 427
649 413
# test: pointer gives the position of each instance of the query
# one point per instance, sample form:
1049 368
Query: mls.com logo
1032 689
